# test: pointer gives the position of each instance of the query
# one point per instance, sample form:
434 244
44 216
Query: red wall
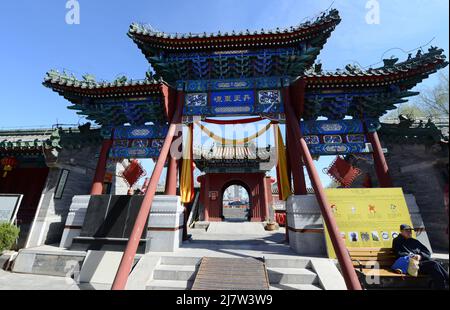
29 182
254 183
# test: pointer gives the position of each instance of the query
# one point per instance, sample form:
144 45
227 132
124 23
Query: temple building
81 202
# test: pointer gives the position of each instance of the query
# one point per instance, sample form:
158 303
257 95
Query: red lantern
8 163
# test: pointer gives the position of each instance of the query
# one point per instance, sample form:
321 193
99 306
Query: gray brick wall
51 216
420 171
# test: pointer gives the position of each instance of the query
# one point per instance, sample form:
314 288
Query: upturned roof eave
377 77
164 41
68 87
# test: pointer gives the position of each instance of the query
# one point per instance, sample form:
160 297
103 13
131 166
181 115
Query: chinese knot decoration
8 163
133 172
342 172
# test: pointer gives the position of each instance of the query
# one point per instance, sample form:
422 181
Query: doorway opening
236 204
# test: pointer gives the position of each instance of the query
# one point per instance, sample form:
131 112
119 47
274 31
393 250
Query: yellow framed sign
367 217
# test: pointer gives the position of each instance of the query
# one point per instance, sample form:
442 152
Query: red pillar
288 163
173 172
126 263
381 166
293 152
348 271
172 176
207 200
97 184
268 197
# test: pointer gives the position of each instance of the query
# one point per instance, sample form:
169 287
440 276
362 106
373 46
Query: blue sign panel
233 102
233 98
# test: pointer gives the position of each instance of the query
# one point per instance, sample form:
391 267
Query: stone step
294 287
291 276
270 262
288 263
169 285
180 260
84 200
175 273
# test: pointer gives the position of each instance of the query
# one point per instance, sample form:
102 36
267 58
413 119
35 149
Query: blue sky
36 38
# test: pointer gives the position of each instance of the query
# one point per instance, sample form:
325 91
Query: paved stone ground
220 243
245 228
16 281
256 243
30 282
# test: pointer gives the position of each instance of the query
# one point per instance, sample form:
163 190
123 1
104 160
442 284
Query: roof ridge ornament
390 62
147 29
89 78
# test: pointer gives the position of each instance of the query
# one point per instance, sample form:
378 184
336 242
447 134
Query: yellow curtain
187 170
233 142
282 174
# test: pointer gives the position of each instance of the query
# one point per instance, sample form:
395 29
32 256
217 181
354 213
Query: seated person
406 245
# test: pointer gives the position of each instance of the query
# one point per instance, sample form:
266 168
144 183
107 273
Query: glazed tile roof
113 103
229 158
44 139
229 152
65 83
419 131
26 139
373 92
281 55
324 24
419 66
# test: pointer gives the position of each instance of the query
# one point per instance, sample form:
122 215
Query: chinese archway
271 75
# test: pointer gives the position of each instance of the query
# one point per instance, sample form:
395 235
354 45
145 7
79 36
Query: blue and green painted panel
232 84
337 149
234 97
141 132
138 141
136 148
331 127
334 137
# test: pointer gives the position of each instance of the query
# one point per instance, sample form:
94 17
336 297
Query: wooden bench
377 262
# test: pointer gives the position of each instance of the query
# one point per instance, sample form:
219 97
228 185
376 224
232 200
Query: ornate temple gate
269 74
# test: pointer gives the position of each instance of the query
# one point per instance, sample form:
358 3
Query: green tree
411 110
435 100
432 102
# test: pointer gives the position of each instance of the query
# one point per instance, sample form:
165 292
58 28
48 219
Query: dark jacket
405 247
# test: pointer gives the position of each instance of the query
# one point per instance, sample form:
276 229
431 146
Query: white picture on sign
9 205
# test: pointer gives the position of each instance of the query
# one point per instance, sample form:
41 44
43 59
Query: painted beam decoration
138 141
114 111
338 137
234 97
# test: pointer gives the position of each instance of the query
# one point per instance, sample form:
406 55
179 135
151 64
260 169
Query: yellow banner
367 217
283 179
187 170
